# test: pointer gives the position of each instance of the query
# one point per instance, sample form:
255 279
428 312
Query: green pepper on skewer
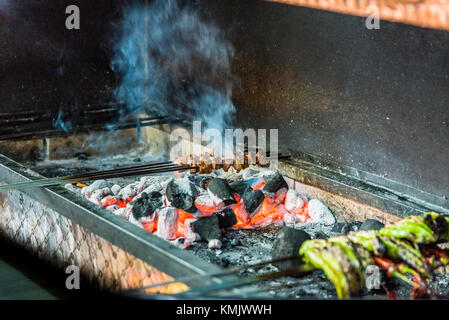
430 227
317 254
347 248
368 240
339 267
401 250
343 258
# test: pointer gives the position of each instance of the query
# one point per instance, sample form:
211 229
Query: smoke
60 124
171 61
5 6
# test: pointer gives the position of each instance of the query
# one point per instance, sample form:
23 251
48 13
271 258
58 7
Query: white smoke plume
172 61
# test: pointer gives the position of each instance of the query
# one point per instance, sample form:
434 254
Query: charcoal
167 225
318 212
321 235
150 183
226 218
371 224
129 191
98 184
351 226
180 243
214 244
122 213
290 219
275 182
294 201
288 242
235 242
99 194
189 233
242 215
207 227
115 189
338 227
207 204
108 201
219 189
71 187
240 186
252 199
181 194
146 205
200 180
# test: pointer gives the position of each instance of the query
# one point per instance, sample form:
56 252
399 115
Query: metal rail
153 250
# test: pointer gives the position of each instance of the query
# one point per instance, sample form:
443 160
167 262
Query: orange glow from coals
205 209
271 210
240 211
109 201
259 185
121 203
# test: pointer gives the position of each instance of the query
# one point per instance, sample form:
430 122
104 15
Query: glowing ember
182 217
260 200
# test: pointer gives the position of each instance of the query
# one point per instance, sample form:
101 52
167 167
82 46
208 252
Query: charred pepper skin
318 254
400 250
343 258
430 227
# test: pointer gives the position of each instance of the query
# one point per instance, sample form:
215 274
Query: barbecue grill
362 117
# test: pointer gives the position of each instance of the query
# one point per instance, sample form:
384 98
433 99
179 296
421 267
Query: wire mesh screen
61 242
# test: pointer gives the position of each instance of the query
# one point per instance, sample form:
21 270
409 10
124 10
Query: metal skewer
211 275
296 270
107 174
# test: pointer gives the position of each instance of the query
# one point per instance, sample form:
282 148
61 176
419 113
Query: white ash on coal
96 185
294 201
215 244
98 195
167 225
115 189
206 204
70 187
191 235
113 208
203 207
180 243
129 191
318 212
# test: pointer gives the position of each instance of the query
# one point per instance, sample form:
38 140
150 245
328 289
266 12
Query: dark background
374 100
